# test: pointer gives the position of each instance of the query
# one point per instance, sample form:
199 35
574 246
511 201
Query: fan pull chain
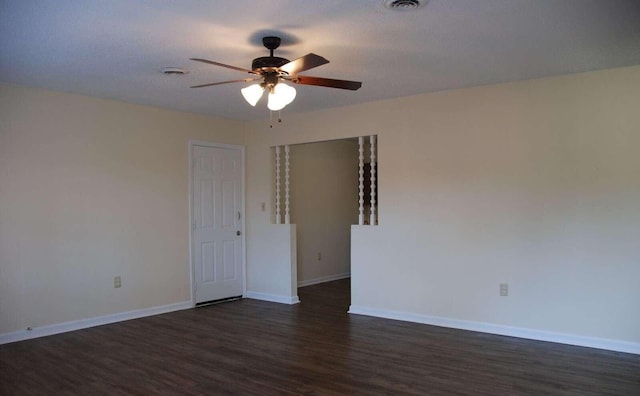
271 118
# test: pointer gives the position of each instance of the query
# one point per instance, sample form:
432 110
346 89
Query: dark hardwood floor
251 347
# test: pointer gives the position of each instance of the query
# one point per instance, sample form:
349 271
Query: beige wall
91 189
324 193
533 183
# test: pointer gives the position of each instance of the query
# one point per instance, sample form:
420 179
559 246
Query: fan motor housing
268 63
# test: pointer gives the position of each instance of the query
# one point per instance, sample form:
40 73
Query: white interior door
216 223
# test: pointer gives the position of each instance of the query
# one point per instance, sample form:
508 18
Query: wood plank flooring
252 347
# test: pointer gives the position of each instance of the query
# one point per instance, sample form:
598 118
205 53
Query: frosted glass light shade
281 96
252 93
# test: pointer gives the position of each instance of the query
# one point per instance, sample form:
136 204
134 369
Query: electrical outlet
504 289
319 256
117 282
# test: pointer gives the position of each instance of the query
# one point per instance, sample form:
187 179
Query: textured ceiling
115 48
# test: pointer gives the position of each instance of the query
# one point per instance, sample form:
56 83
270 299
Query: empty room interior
425 197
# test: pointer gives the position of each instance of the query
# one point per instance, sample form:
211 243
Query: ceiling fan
273 71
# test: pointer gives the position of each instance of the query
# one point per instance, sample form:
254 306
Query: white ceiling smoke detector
405 5
174 71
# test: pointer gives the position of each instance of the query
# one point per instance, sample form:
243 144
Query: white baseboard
64 327
323 279
540 335
273 298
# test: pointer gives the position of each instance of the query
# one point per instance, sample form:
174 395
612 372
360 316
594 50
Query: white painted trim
242 149
244 221
520 332
323 279
273 298
190 145
64 327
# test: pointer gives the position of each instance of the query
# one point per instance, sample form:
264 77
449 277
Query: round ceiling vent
174 71
405 5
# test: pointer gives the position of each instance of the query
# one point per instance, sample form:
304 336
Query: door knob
238 233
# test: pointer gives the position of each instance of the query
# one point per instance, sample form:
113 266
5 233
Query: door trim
192 144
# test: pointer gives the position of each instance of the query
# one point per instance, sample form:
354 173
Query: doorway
324 205
217 221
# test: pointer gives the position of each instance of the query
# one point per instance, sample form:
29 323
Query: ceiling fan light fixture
280 96
252 93
273 71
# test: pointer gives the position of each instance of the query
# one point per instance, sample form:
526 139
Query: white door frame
193 143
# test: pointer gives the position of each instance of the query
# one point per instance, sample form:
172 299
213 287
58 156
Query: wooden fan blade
222 65
226 82
309 61
327 82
